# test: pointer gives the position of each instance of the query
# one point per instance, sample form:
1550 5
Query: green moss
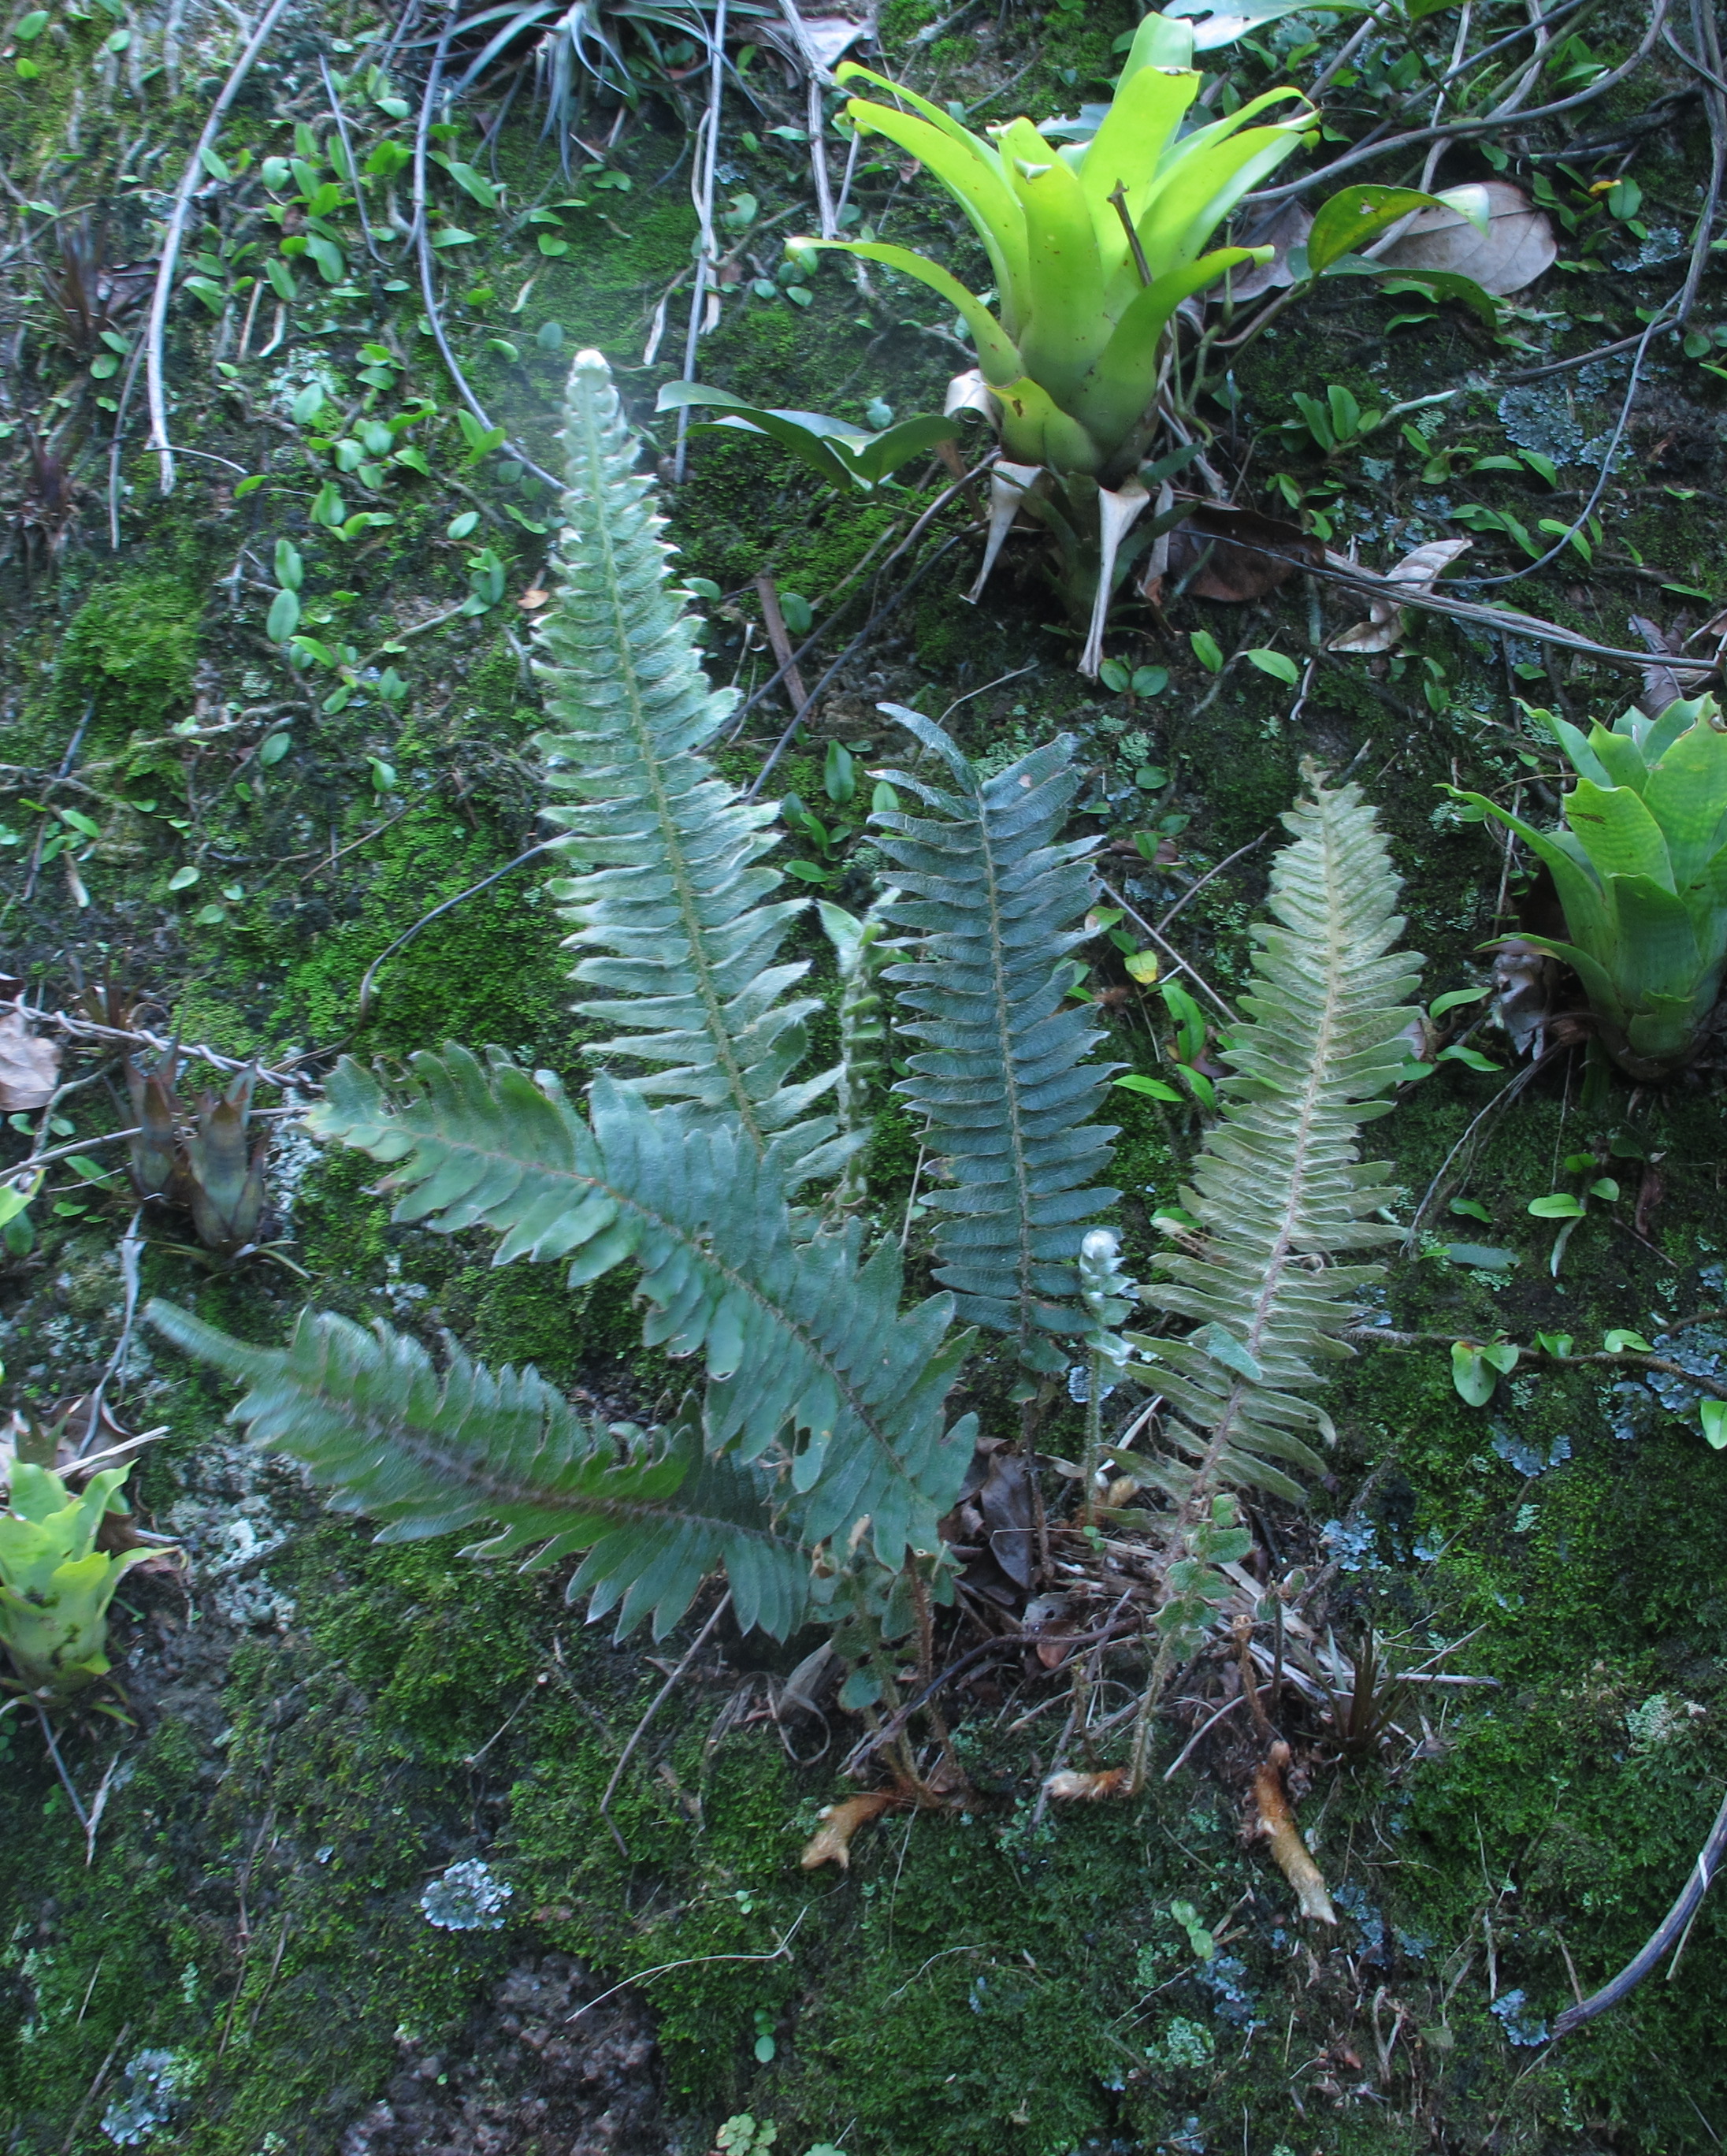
130 651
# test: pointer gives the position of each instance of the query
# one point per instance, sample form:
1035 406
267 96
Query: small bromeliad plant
55 1584
1093 246
1640 864
811 1454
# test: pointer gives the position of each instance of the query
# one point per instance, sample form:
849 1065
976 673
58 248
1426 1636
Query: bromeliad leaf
682 922
799 1334
426 1454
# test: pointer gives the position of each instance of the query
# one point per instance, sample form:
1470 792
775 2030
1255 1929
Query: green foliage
860 949
1093 244
55 1584
1073 360
1640 868
795 1330
655 1518
1277 1183
671 886
1005 1082
850 459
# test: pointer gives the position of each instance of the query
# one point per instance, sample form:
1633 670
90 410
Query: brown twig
190 180
1670 1928
775 622
1275 1822
119 1037
660 1697
1629 1358
94 2090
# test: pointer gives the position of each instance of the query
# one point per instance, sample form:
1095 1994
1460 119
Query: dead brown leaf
1284 229
832 1843
532 598
1418 572
1251 554
1661 684
1525 982
30 1067
1004 1502
1516 247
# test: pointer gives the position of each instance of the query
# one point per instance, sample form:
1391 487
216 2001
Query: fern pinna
1006 1082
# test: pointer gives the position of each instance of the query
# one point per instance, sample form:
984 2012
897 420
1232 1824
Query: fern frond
376 1423
1278 1187
1006 1083
679 919
799 1334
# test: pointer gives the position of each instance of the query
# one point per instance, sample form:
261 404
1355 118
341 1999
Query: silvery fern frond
1006 1081
425 1454
1278 1186
808 1357
678 919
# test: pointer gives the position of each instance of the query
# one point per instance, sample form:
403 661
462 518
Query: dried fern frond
803 1340
680 922
425 1454
1278 1187
1005 1081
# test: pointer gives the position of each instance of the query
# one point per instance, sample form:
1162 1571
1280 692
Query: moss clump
131 652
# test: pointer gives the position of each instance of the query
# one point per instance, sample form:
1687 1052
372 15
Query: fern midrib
709 1258
1271 1282
708 995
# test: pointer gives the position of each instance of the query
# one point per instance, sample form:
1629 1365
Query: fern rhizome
815 1453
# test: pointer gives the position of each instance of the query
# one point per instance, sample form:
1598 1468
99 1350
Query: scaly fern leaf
1278 1186
1006 1086
671 899
374 1421
799 1335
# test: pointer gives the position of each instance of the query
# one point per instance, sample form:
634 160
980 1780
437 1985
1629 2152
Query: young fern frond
678 920
424 1455
802 1339
1006 1083
1278 1187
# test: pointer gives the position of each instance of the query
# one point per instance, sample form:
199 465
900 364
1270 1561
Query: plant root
1070 1786
1275 1822
831 1844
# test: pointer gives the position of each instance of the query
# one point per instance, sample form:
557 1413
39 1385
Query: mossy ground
987 1980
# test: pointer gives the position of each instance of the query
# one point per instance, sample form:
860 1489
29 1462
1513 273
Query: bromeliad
1640 868
55 1584
1093 246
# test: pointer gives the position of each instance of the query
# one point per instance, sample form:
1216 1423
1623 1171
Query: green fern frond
679 918
1006 1083
1278 1187
798 1333
425 1454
